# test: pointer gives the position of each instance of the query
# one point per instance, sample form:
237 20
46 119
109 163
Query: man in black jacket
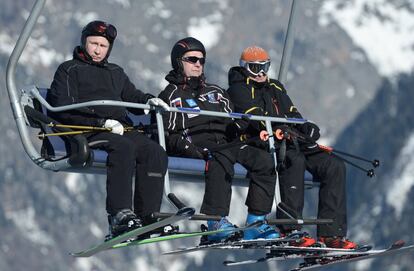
253 92
88 77
193 135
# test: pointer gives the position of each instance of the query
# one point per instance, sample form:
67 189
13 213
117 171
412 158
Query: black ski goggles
194 59
255 68
100 28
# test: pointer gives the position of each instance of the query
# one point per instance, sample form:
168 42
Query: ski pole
375 162
370 172
94 128
44 135
280 134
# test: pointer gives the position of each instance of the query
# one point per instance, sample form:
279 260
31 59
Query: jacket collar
191 83
80 54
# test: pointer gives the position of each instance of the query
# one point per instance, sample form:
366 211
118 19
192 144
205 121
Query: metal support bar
270 222
11 82
161 140
193 217
272 151
300 221
288 46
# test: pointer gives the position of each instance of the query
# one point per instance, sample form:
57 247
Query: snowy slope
382 28
403 178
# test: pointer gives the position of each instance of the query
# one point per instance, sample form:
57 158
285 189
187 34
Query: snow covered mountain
351 72
382 29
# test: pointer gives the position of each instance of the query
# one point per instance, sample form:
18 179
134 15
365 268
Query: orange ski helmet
255 60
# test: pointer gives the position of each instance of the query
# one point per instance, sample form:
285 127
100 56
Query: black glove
237 127
201 153
241 125
311 130
188 149
148 96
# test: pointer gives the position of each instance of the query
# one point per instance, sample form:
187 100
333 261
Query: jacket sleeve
290 110
173 122
245 101
64 91
131 94
177 143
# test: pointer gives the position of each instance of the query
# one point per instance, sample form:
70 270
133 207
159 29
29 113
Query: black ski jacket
81 80
269 98
187 130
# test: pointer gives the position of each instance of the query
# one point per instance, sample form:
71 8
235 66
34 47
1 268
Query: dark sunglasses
194 59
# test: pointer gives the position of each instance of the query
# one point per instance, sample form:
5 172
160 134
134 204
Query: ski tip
398 244
363 248
172 252
76 254
228 263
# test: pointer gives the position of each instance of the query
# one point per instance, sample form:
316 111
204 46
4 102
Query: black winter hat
183 46
99 28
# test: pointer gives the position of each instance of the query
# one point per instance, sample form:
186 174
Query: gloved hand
311 130
201 153
236 128
188 149
157 102
115 126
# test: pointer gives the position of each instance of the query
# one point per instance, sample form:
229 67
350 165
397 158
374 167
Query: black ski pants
219 174
331 173
129 153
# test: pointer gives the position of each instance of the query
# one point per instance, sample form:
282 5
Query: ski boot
300 239
337 242
264 231
123 221
213 225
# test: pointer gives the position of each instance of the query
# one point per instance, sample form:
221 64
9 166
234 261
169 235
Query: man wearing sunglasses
253 92
193 135
88 77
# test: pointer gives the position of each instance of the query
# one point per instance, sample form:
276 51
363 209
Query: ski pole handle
264 135
176 201
278 134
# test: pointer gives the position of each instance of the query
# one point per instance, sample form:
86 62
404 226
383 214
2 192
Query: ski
320 262
238 244
171 237
280 253
181 214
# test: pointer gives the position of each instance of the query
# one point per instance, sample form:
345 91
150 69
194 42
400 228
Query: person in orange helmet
253 92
